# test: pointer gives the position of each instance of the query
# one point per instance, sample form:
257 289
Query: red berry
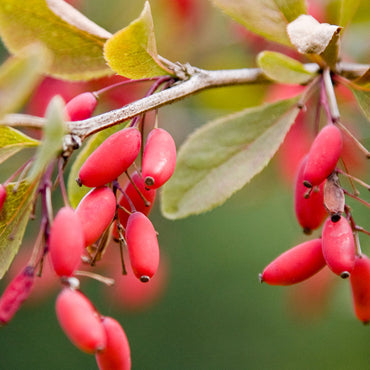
159 158
295 265
142 246
96 211
80 321
66 242
113 157
310 212
81 106
2 196
323 155
338 246
116 355
136 199
360 285
15 294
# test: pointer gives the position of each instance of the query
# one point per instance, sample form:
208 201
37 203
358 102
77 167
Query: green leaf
267 18
363 82
76 192
363 100
19 76
348 9
52 142
75 43
222 156
280 68
132 51
14 217
12 141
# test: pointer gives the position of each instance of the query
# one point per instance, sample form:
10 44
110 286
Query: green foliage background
214 314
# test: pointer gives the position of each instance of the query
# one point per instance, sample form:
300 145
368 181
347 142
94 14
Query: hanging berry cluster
80 236
319 199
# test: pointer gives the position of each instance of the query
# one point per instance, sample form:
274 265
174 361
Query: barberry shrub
128 154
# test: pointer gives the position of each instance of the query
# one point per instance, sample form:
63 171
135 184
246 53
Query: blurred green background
214 313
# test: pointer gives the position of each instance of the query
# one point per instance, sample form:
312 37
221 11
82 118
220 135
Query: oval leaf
52 142
75 43
14 217
12 141
267 18
222 156
19 76
280 68
348 9
76 192
132 52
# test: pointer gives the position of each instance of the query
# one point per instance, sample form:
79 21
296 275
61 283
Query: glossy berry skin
2 196
135 198
16 293
310 212
96 211
116 355
360 286
80 321
113 157
142 246
159 158
338 246
323 155
295 265
81 106
66 242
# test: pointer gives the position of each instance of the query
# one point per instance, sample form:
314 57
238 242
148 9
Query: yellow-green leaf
348 9
74 42
76 192
363 82
14 217
363 100
224 155
12 141
132 51
19 76
267 18
52 142
283 69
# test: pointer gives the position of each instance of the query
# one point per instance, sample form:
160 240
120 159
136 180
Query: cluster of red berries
319 199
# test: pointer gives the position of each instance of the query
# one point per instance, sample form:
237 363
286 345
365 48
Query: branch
198 80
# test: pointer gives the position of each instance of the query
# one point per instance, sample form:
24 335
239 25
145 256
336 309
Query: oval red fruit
310 212
295 265
96 211
159 158
116 355
2 196
81 106
142 246
323 155
66 242
360 286
338 246
80 321
15 294
113 157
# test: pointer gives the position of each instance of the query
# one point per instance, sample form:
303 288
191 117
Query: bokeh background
211 311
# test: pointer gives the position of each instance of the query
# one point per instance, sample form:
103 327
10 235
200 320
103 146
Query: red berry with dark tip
2 196
323 155
113 157
96 211
80 321
159 158
360 286
116 355
295 265
81 106
142 246
338 246
66 242
310 212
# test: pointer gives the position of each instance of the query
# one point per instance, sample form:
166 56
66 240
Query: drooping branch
196 80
